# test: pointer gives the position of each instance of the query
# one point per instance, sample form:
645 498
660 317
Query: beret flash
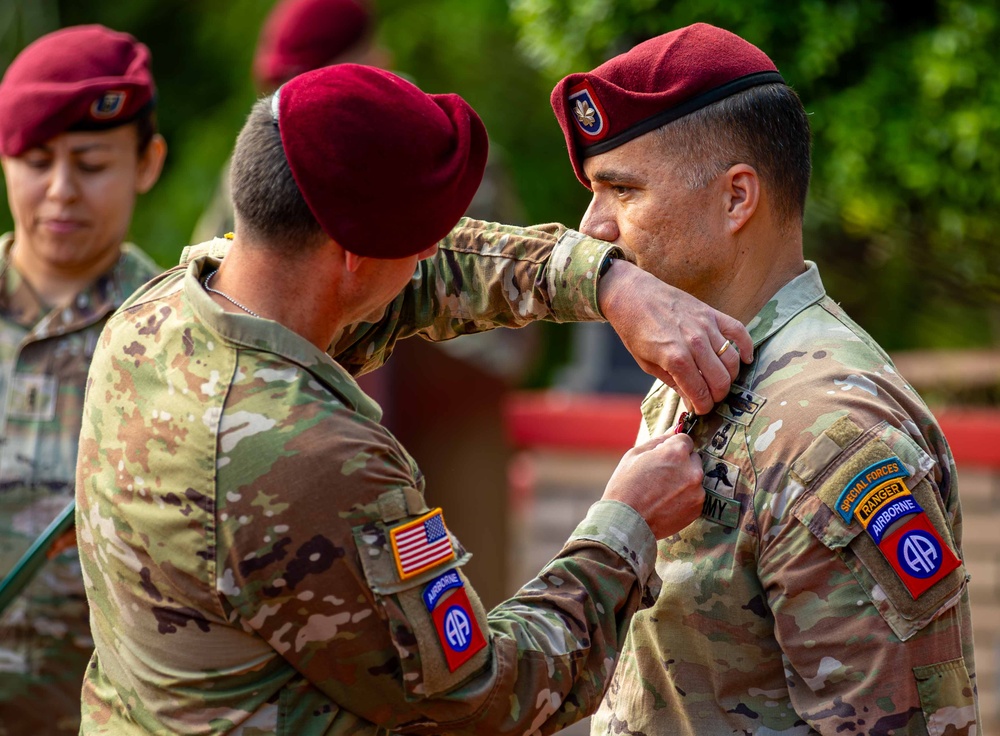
301 35
654 83
386 169
78 78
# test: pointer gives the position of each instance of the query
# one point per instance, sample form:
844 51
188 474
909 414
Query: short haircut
765 127
269 207
145 127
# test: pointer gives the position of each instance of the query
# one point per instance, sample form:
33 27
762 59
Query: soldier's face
72 198
642 202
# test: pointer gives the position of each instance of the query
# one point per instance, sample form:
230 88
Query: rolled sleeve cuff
572 278
621 529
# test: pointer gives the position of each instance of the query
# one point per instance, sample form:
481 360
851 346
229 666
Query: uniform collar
269 336
803 291
20 304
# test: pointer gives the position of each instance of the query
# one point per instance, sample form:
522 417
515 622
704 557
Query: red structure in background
561 421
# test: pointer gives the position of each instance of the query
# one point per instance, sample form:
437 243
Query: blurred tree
905 106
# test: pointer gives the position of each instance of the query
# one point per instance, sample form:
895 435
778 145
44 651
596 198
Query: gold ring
724 348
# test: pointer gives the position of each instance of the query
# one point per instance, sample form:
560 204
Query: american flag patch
421 544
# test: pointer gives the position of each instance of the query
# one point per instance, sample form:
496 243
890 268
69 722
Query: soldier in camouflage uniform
822 590
259 551
78 144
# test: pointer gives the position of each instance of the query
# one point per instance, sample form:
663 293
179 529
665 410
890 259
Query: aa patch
421 544
864 482
918 555
720 476
108 105
439 586
457 629
587 111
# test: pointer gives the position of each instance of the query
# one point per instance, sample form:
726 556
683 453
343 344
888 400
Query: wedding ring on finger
724 348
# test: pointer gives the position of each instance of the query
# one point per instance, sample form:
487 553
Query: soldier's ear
741 189
353 261
151 164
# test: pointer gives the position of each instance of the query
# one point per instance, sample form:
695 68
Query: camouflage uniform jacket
44 356
777 614
241 511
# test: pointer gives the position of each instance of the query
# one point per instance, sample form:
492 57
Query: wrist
612 271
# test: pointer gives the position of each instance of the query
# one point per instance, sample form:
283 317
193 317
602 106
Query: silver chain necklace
226 296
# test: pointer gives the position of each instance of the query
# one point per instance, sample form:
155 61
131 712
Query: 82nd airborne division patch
879 499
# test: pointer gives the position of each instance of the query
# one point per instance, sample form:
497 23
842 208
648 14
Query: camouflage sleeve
867 588
395 633
486 275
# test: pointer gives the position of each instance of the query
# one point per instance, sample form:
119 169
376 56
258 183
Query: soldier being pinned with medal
822 590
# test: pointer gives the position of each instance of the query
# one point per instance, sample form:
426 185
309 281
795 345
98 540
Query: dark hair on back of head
268 204
765 127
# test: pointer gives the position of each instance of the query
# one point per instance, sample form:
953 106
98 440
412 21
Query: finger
692 383
716 367
730 357
733 329
651 443
681 443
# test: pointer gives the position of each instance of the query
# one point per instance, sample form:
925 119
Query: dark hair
268 204
765 127
145 127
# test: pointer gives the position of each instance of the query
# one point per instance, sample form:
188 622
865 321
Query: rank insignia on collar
587 111
421 544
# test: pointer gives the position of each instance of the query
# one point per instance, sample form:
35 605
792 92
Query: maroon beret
655 82
78 78
301 35
386 169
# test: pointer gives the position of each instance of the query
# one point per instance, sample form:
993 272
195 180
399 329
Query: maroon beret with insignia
78 78
301 35
386 169
655 82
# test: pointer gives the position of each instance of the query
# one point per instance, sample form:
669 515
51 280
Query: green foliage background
904 98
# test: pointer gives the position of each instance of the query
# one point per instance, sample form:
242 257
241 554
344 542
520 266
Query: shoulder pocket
821 509
415 609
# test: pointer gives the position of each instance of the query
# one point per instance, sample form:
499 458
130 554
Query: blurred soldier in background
823 589
259 551
298 36
78 143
